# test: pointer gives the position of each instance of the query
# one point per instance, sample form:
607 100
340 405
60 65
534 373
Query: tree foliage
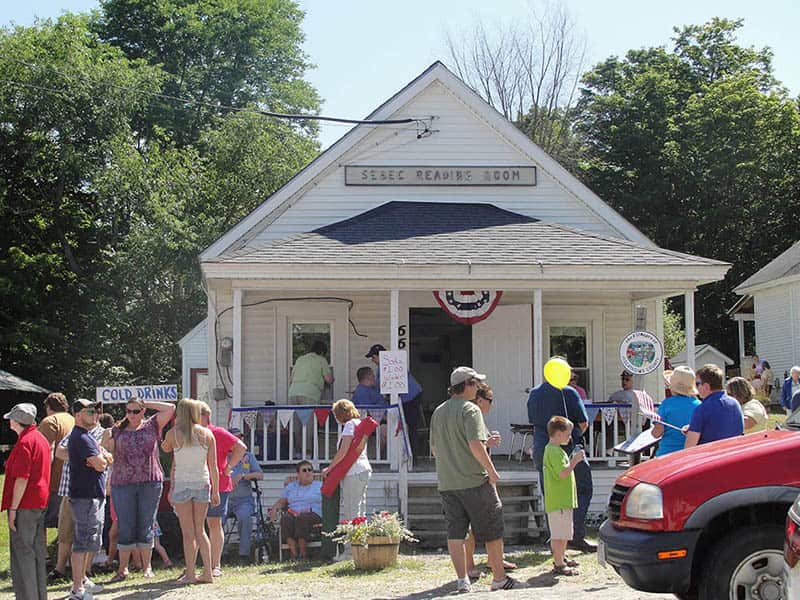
110 189
698 147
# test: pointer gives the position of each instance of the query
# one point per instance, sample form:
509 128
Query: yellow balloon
557 372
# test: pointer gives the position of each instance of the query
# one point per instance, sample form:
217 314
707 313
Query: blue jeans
243 508
136 505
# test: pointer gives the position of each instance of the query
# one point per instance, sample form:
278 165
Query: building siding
777 311
463 139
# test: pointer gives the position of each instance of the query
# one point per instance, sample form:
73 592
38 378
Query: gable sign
468 307
641 352
433 176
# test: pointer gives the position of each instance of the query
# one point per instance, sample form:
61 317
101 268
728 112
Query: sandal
216 572
118 577
565 570
148 574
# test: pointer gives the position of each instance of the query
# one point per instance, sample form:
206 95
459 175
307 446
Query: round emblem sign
641 352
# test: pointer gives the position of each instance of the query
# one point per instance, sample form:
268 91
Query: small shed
14 390
704 354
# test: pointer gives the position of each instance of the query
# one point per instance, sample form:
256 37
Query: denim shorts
197 494
89 514
221 510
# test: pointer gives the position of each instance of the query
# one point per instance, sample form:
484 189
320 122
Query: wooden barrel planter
379 553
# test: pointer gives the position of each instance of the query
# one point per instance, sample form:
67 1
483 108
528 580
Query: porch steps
522 512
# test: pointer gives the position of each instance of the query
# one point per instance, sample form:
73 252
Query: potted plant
375 540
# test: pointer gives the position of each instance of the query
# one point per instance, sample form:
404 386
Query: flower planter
379 552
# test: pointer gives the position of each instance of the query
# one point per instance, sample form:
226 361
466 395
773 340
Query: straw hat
681 381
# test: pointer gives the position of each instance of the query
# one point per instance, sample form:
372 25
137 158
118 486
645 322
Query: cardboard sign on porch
394 371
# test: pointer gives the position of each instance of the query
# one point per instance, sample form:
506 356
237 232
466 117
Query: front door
502 348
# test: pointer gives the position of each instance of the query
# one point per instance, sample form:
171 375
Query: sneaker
506 584
463 586
92 587
81 595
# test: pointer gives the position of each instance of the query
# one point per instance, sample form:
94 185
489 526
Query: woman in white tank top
194 483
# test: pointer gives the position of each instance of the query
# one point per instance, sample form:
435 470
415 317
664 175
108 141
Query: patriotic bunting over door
468 306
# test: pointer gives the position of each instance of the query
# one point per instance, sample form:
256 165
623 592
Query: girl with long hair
195 484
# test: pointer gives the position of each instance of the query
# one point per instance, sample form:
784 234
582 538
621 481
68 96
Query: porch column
688 300
538 338
238 294
213 374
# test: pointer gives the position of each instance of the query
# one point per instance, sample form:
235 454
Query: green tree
64 97
215 52
674 334
698 147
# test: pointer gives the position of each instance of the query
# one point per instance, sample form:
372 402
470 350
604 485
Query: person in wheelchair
241 501
302 501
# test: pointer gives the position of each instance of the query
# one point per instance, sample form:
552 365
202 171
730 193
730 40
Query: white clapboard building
392 232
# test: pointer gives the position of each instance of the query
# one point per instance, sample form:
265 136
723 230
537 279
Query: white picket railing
610 424
280 434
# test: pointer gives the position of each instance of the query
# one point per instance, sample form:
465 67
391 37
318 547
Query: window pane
305 334
569 342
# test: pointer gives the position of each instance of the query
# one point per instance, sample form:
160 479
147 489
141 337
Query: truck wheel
747 564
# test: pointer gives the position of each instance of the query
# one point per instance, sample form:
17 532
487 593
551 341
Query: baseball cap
82 403
24 413
462 374
374 349
235 431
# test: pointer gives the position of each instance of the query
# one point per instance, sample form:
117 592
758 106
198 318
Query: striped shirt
63 485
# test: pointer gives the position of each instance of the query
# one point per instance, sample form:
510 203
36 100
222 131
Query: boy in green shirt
560 494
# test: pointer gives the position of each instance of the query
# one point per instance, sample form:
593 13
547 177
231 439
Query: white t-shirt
362 462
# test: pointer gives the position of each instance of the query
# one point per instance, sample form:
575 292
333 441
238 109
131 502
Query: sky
366 50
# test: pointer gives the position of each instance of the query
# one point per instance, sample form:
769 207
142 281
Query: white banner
121 394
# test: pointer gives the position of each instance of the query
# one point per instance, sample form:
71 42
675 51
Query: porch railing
609 424
286 434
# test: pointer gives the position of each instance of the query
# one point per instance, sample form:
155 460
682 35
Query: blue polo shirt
84 481
545 402
718 417
365 394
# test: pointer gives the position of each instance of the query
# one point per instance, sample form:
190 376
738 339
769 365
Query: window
572 342
303 336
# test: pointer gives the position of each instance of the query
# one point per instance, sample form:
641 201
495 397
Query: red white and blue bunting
469 306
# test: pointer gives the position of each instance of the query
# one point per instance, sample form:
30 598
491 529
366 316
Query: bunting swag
468 306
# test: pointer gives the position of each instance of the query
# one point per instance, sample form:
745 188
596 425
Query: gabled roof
786 264
12 383
200 327
700 349
280 200
437 233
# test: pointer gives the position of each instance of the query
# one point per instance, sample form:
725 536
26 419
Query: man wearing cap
26 491
241 499
411 399
467 478
87 495
544 402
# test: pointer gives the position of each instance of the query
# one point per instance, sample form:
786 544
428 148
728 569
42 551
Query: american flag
646 405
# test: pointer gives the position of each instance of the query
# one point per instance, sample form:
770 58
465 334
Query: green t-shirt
453 424
308 376
558 493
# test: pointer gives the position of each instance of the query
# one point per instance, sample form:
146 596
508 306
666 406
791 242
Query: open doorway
438 345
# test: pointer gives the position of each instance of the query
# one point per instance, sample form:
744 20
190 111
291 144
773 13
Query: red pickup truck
707 522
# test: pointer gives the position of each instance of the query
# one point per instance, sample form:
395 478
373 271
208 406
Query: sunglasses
306 470
625 378
133 411
89 411
698 383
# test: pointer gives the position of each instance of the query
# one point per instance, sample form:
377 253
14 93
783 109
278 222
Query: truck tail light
791 548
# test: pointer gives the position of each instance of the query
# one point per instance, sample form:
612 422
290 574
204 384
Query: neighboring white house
704 354
774 294
453 199
194 360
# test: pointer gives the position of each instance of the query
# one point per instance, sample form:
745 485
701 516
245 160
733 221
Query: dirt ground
418 577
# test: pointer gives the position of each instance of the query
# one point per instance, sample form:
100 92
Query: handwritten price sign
394 372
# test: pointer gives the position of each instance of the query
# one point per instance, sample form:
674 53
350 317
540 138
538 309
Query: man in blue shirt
241 502
411 400
545 402
87 495
719 416
365 392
